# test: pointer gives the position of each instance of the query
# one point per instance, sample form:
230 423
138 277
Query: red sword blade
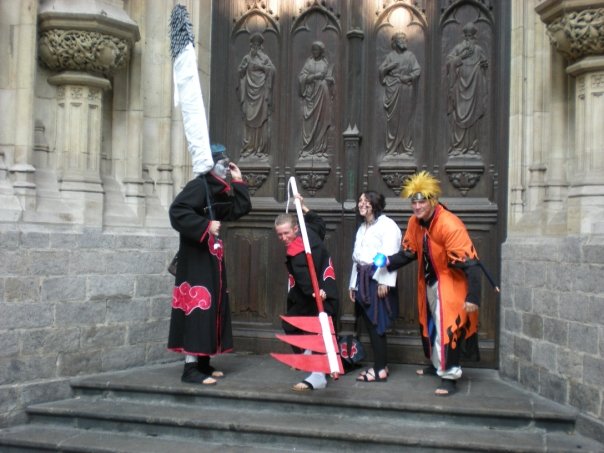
307 323
313 342
314 362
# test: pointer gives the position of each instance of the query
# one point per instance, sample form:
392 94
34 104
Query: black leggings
378 343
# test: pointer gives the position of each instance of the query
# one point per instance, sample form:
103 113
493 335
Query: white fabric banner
187 93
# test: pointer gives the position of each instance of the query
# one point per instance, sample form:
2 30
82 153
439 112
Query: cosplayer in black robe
300 299
200 323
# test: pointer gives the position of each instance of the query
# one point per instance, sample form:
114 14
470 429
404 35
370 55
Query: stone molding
578 34
87 51
88 36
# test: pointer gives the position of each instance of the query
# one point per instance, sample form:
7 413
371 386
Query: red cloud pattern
329 271
187 298
344 350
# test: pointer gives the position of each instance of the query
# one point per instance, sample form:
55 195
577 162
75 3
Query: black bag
351 349
173 265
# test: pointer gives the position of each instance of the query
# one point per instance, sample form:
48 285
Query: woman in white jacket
372 288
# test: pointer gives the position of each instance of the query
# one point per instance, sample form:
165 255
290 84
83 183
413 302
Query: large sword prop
321 338
187 90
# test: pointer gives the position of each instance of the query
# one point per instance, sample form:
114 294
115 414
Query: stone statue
317 90
256 74
398 74
467 93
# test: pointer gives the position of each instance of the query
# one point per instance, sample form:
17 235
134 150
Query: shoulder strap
208 197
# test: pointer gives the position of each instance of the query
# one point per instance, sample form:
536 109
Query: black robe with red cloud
300 300
200 322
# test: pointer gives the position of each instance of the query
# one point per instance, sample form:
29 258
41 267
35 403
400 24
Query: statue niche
467 86
317 88
256 75
399 73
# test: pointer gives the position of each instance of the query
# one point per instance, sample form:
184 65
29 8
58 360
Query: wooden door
349 95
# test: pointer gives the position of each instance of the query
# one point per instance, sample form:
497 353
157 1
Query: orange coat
449 245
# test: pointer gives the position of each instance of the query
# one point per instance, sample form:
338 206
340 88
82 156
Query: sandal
215 373
427 371
447 387
303 386
191 375
209 370
364 372
371 376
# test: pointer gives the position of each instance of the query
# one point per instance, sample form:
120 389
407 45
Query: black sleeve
315 223
400 259
187 211
474 286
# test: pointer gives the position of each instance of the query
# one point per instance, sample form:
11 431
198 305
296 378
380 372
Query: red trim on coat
199 354
206 232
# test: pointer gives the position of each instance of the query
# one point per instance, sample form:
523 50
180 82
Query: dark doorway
350 95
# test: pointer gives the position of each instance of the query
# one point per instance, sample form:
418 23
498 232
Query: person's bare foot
447 387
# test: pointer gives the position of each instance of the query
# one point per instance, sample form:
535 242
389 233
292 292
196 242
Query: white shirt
382 236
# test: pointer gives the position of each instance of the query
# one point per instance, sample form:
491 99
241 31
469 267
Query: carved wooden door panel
355 95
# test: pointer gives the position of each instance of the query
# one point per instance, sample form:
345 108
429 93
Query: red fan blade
313 342
313 362
307 323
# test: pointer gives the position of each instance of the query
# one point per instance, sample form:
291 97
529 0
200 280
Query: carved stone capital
575 30
88 36
75 50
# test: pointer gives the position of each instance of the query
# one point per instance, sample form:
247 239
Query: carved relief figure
468 90
398 74
256 74
317 90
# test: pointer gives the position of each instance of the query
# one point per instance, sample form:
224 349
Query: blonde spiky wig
422 186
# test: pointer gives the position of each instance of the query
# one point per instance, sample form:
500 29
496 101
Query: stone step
34 437
489 412
292 430
485 400
254 409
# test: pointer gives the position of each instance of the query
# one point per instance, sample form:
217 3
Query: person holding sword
301 296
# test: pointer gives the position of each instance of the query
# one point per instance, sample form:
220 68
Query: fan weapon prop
321 339
187 90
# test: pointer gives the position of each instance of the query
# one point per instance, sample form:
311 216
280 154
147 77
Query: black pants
378 343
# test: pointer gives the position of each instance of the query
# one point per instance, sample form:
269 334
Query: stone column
577 33
156 69
85 42
22 170
586 197
79 119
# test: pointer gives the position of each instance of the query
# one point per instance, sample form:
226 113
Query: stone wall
74 303
552 304
552 320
